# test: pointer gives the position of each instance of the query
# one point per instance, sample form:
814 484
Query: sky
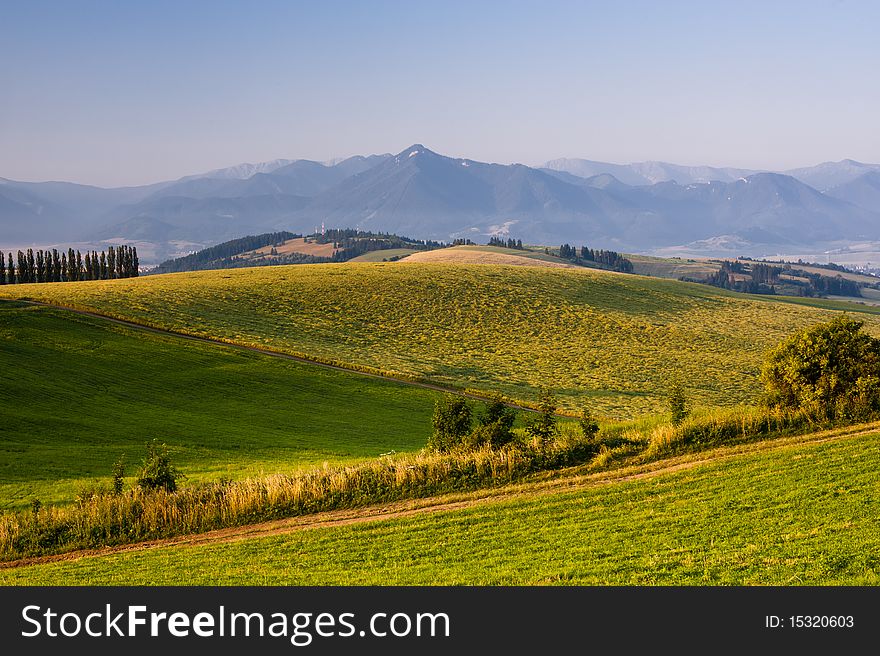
124 93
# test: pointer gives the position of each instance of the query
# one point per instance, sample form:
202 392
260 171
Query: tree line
350 244
52 266
831 266
221 256
510 242
611 259
762 278
352 238
766 279
454 429
833 285
347 243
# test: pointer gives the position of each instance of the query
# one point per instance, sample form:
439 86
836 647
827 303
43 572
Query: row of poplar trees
49 266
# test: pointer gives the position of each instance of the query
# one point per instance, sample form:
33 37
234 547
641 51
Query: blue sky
113 93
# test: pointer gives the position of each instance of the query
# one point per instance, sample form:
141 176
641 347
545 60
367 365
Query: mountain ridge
420 192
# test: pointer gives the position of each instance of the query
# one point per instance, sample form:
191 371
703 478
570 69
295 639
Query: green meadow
76 393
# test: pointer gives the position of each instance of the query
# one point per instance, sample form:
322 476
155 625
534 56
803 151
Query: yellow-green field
610 340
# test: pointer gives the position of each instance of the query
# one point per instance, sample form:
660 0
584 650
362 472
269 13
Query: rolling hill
608 340
485 255
82 389
79 392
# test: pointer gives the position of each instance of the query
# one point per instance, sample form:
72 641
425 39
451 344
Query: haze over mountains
419 193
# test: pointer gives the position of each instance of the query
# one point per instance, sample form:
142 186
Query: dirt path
570 480
256 349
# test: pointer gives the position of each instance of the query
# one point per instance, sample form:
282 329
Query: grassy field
383 255
610 340
797 515
78 392
672 267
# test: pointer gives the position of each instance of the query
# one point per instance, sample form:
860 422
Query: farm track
275 354
568 480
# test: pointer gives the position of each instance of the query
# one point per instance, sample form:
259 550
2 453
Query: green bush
495 424
157 472
830 370
543 426
677 403
451 421
589 425
118 475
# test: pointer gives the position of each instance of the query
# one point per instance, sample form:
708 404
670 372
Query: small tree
158 472
495 425
451 421
677 403
543 426
828 370
119 475
589 425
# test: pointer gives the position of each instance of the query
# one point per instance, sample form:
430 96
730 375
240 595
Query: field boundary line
573 479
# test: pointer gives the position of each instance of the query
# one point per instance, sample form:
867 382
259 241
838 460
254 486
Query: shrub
677 403
118 475
829 370
543 426
589 425
495 427
158 473
451 421
494 435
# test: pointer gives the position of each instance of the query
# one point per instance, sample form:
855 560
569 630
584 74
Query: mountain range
419 193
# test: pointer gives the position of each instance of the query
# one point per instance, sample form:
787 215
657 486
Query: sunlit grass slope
608 339
76 393
800 515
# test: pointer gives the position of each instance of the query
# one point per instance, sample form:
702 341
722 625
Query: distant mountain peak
605 181
415 150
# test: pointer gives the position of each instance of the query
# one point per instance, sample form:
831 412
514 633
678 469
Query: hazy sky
113 93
